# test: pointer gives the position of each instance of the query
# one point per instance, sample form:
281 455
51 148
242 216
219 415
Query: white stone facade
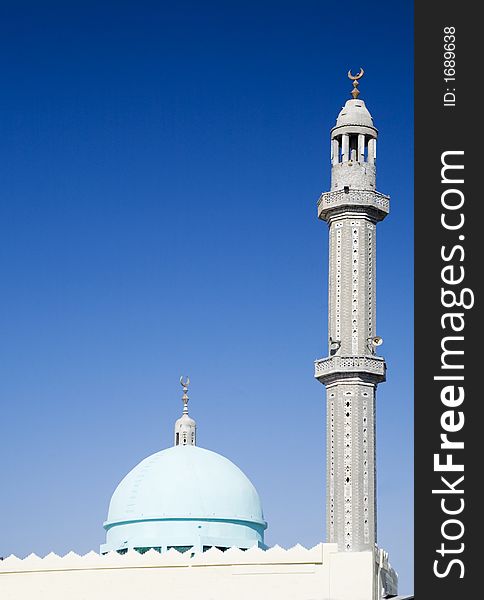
320 573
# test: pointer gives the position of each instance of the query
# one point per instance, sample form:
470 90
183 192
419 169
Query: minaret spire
185 426
352 370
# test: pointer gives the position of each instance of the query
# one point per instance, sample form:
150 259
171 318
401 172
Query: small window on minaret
177 438
347 189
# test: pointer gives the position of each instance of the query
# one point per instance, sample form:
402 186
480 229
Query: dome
185 421
185 497
354 112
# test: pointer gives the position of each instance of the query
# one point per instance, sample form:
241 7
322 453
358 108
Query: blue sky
160 167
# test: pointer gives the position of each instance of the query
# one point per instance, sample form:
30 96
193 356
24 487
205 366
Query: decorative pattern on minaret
352 371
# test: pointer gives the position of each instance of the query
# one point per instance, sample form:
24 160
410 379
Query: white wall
320 573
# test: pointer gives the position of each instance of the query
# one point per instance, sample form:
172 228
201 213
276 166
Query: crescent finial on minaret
354 78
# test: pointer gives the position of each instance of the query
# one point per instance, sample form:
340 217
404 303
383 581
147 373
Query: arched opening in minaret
353 148
336 150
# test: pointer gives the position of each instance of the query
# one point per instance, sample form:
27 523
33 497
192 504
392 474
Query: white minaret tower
185 426
352 371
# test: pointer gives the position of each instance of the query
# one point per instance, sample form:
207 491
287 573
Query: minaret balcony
330 369
377 204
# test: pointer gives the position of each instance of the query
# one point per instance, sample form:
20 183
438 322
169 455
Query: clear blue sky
160 167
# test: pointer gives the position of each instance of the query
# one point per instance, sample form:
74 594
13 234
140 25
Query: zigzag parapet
152 558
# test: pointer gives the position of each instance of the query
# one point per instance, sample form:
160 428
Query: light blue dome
184 497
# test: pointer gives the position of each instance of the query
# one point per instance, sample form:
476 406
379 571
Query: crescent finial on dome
185 385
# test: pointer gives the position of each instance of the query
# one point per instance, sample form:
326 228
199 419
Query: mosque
187 522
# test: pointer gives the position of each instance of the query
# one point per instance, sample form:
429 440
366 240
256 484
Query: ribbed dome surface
178 493
185 481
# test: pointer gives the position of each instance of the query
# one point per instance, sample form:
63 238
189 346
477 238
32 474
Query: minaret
185 426
352 370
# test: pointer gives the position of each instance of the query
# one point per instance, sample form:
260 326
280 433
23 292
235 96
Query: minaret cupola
353 144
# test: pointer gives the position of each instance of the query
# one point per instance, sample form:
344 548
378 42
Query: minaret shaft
351 286
352 371
351 475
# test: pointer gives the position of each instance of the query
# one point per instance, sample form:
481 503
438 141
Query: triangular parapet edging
132 559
